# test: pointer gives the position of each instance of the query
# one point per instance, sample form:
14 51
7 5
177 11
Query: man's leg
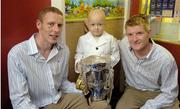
100 105
175 106
134 99
70 101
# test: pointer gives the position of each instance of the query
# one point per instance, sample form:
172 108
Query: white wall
60 4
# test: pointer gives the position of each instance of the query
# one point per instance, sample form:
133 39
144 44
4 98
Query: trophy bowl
98 77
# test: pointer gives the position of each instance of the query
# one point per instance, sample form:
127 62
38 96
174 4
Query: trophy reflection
97 75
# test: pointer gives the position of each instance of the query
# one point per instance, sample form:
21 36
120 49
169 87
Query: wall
135 7
18 23
75 29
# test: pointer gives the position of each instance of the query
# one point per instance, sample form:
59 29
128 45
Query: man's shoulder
18 48
123 42
163 53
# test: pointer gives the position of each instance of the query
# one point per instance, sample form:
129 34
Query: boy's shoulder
108 35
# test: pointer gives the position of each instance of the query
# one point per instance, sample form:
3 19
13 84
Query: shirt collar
32 47
152 48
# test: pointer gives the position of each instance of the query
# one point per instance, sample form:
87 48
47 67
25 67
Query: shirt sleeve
79 55
70 87
115 53
67 86
169 88
18 87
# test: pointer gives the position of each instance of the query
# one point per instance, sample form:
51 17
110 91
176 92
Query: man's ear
38 23
150 33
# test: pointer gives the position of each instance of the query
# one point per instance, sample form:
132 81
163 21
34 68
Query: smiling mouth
54 36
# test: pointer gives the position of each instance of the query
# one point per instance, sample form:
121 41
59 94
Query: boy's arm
78 56
115 53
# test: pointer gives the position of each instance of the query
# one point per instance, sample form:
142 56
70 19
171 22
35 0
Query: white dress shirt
33 80
156 72
105 45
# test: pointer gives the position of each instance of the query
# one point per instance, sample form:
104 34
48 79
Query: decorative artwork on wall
78 9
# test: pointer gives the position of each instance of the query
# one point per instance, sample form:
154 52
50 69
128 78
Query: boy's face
96 25
138 38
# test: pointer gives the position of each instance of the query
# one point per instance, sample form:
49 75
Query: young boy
97 42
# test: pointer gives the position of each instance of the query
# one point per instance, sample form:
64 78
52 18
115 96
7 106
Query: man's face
138 38
51 27
96 25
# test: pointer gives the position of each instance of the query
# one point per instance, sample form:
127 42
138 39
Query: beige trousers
75 101
100 105
134 99
70 101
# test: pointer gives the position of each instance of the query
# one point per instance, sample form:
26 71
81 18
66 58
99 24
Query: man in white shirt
150 69
38 68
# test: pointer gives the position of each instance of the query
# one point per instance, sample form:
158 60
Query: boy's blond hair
96 11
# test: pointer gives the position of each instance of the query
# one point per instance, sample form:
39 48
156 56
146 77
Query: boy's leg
70 101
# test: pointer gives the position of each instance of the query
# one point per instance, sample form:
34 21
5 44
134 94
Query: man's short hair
44 11
139 19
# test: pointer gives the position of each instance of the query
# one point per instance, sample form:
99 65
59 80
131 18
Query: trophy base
95 99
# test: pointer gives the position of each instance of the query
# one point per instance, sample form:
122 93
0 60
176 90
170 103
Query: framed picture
79 9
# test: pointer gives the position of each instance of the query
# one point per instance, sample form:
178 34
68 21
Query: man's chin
53 42
136 48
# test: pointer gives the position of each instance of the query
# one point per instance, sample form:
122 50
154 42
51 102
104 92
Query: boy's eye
129 34
93 24
96 24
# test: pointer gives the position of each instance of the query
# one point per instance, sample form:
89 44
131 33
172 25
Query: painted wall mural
78 9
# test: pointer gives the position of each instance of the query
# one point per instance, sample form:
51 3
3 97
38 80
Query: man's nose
56 28
135 37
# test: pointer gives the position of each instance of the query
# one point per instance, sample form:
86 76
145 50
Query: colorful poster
78 9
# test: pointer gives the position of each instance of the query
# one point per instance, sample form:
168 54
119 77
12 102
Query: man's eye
51 24
59 25
139 33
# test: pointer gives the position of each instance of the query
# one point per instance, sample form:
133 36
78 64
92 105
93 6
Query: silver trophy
97 75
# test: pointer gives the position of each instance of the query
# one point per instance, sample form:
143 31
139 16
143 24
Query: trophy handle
81 85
